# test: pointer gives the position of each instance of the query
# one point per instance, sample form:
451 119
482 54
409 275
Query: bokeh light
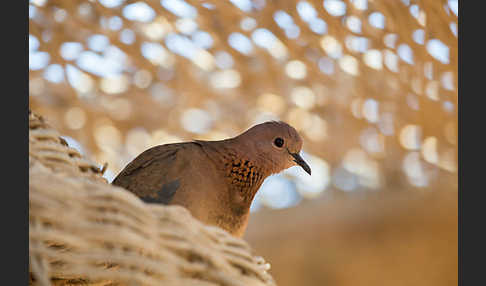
376 107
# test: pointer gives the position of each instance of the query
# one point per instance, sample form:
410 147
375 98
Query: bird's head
278 143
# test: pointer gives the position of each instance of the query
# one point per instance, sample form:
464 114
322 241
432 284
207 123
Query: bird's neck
243 176
242 172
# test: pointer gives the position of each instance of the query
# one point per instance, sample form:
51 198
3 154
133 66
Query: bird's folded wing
155 175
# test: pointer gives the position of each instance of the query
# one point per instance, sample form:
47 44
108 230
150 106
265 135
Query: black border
15 174
471 188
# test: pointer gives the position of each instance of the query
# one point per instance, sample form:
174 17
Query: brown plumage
215 180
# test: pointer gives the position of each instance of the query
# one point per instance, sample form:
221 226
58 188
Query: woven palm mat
83 231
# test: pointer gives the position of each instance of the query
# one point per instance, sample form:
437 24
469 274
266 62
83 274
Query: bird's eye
278 142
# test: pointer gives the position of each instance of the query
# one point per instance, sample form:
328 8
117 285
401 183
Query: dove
215 180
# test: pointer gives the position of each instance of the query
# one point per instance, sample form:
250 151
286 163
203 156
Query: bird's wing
156 174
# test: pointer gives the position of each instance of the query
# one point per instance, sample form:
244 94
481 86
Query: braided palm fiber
46 145
85 231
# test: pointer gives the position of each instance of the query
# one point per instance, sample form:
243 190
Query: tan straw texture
83 231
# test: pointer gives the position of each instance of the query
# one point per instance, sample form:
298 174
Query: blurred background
370 85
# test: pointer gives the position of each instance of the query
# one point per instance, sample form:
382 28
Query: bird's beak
301 162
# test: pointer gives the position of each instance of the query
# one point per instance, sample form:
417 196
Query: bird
215 180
